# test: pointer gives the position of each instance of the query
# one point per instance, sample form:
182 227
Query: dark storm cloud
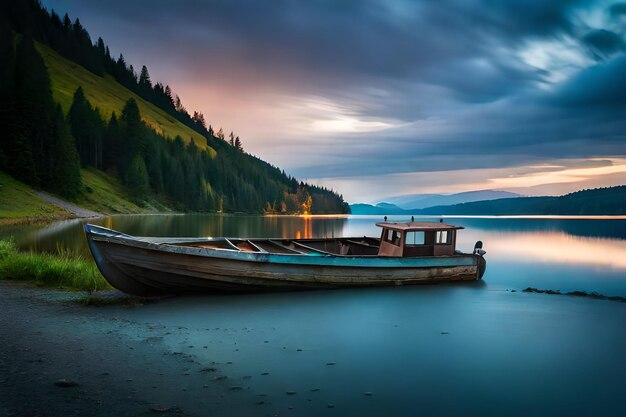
455 63
603 43
338 39
598 88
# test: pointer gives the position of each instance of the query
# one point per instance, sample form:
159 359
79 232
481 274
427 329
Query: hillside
19 201
83 125
109 96
106 194
600 201
419 201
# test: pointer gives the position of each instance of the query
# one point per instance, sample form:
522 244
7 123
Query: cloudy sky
377 98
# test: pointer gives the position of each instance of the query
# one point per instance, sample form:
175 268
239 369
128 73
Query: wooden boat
406 253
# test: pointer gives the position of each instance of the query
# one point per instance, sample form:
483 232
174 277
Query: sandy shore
46 340
469 350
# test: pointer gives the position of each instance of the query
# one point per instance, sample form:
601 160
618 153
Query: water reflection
560 247
573 254
69 235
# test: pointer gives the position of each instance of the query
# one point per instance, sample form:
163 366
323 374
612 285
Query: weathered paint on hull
146 268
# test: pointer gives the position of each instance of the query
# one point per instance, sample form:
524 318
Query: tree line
71 40
45 148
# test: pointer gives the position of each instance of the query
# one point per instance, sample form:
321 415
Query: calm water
565 254
470 349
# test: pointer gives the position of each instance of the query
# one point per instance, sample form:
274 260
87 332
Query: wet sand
444 350
45 340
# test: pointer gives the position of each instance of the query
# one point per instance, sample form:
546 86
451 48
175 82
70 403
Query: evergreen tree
238 145
137 178
145 84
33 112
65 175
87 128
133 132
113 146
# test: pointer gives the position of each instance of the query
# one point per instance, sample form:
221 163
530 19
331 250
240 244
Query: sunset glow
461 104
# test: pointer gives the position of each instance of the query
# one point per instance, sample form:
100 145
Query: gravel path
72 208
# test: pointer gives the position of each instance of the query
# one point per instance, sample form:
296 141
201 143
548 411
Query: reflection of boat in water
406 253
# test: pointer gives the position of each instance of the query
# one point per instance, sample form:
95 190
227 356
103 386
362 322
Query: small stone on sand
66 383
161 409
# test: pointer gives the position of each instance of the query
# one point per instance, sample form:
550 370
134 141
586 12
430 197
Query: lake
481 348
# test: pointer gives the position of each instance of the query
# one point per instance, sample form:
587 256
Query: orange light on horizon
562 248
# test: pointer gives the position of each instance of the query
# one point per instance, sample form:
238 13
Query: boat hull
145 267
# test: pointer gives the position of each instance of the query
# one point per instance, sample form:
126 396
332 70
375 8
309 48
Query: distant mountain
419 201
599 201
380 208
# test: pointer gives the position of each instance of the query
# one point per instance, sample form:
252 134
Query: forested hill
599 201
64 110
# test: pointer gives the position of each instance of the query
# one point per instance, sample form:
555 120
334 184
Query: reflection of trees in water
69 235
575 227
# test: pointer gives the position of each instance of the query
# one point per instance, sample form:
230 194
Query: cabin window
443 237
414 238
393 237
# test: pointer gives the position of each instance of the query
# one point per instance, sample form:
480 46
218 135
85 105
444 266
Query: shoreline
85 363
248 355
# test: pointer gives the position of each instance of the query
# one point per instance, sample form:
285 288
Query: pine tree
238 145
87 128
145 84
65 175
137 178
113 146
33 112
133 132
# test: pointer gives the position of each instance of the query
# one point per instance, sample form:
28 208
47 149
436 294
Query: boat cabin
417 239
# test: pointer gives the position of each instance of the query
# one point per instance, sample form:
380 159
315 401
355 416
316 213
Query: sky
380 98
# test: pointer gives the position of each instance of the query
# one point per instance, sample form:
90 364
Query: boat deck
357 246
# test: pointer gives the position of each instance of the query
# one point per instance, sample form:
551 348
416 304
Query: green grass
105 194
109 96
101 192
19 201
63 270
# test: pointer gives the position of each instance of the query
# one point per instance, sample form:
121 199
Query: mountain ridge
419 201
596 201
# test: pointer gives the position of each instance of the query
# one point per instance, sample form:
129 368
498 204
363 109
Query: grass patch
105 194
109 96
18 200
63 270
